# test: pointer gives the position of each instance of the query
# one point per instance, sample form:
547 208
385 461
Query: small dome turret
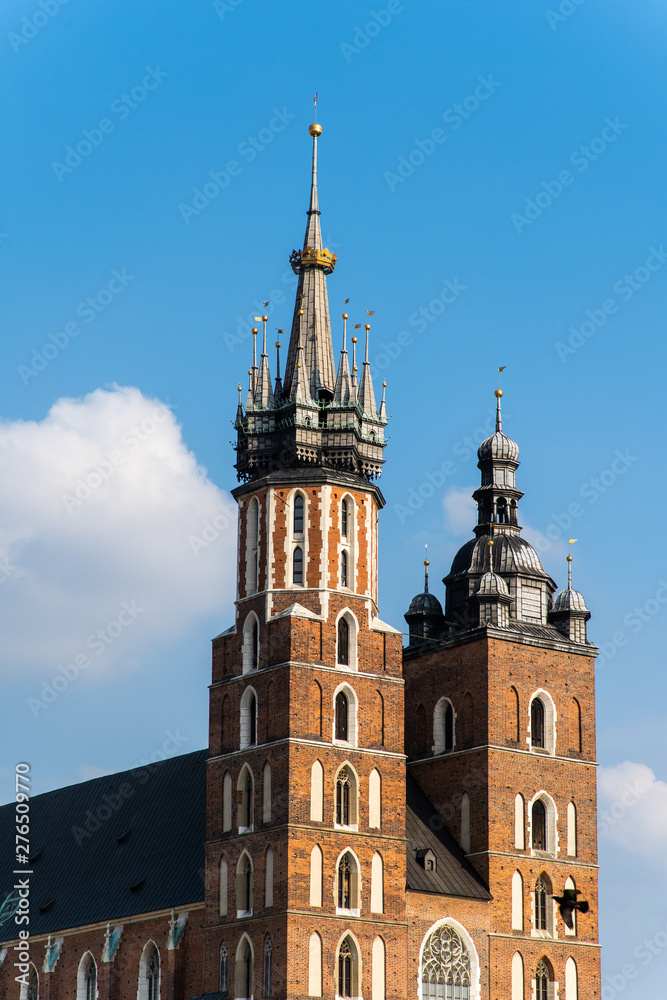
424 616
569 613
492 585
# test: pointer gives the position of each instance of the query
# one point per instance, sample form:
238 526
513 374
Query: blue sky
506 148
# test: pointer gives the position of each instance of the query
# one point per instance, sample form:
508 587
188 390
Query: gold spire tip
569 558
354 340
264 319
344 316
426 562
498 393
254 330
315 130
278 344
367 326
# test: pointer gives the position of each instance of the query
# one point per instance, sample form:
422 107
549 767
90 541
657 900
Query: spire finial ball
426 562
569 558
264 319
354 340
255 330
315 130
344 316
278 344
498 393
367 326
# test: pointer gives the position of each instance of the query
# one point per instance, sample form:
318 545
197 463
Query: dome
425 604
511 554
498 446
492 585
569 600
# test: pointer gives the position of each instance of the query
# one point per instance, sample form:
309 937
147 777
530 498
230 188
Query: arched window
539 826
268 879
346 797
443 727
248 718
542 903
513 719
315 965
226 802
571 830
571 980
317 792
347 896
348 969
445 968
86 981
266 794
571 931
381 717
250 651
519 823
575 726
377 884
298 515
316 866
268 989
542 980
316 704
246 786
297 566
378 982
244 886
465 822
252 547
343 570
244 973
33 983
343 641
517 902
224 968
342 713
375 800
344 515
517 976
537 723
152 974
223 886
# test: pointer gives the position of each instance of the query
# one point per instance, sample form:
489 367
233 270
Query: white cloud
99 506
460 510
632 809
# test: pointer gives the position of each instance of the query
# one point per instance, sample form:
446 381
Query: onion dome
492 585
424 616
499 446
569 600
569 613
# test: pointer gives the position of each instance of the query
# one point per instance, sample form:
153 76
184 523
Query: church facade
371 820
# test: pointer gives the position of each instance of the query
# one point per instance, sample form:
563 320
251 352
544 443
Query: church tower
500 735
305 854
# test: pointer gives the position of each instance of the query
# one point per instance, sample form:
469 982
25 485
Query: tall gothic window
153 974
33 983
247 961
540 905
344 513
342 711
224 968
541 981
344 636
343 797
445 971
449 727
297 565
298 514
539 825
537 723
91 980
345 883
343 574
267 967
252 719
345 969
255 644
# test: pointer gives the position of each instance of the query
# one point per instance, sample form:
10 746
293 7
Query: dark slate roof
147 853
426 830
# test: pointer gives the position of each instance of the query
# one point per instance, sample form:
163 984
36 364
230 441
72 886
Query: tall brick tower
501 737
306 855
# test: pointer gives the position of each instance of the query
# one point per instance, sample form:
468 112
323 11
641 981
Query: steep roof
426 831
143 849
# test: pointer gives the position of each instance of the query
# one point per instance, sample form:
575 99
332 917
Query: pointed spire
366 394
499 420
426 566
263 390
250 402
343 383
353 380
382 412
279 386
239 408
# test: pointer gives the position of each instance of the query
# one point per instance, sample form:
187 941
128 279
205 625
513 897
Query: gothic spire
342 389
366 395
263 390
312 264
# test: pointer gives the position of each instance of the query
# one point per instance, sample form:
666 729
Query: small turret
424 616
569 613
